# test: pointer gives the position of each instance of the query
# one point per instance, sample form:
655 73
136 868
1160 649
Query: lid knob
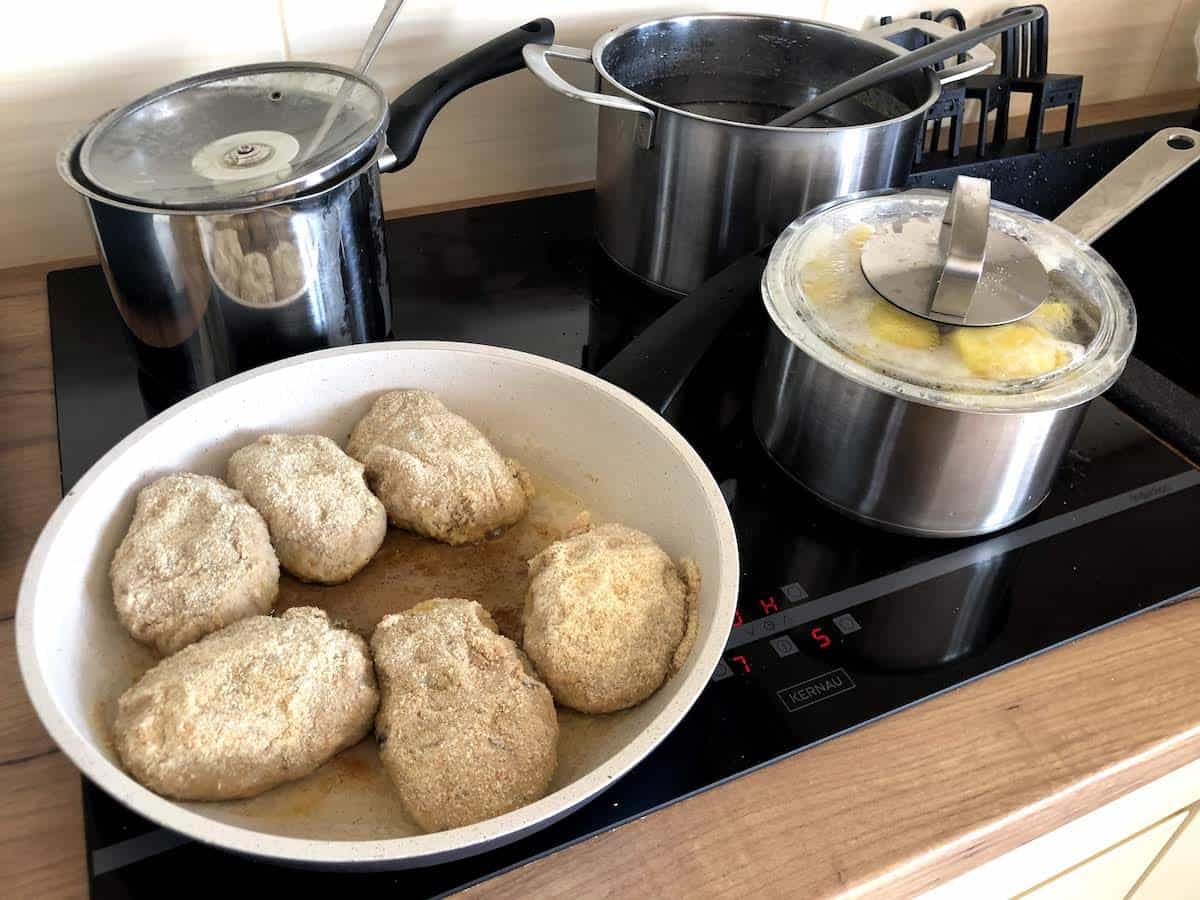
250 154
956 270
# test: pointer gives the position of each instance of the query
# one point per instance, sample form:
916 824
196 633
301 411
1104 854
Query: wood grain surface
41 825
902 805
884 811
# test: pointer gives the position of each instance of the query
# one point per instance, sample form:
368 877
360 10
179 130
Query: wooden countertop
887 810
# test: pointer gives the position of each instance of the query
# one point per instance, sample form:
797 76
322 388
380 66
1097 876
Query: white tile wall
1177 64
510 134
64 63
1115 44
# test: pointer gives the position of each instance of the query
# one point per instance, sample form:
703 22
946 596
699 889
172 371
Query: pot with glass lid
237 213
934 352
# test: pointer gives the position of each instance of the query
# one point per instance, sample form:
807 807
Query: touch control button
784 645
846 623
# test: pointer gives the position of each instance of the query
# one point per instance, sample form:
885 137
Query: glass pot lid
1068 350
236 136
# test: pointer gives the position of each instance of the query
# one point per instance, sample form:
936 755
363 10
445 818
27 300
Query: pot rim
67 163
1076 387
608 37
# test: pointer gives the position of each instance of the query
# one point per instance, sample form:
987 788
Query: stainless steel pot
902 465
688 178
912 451
921 457
237 213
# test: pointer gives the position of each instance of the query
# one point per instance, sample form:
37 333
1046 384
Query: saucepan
593 440
852 399
689 175
237 213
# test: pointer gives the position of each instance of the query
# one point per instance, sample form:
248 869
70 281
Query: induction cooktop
837 625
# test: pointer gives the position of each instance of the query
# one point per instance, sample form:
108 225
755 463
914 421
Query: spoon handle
378 32
908 62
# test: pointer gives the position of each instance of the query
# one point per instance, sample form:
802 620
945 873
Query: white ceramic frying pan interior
621 459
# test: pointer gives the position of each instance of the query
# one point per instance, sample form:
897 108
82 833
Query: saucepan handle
1149 168
537 59
655 364
978 58
412 111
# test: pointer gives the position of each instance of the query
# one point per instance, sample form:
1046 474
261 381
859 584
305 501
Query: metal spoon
365 57
378 32
909 62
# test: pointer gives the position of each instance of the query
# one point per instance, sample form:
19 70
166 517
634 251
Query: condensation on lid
236 136
1071 348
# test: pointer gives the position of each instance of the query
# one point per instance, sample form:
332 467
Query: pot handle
537 60
978 58
411 112
656 363
1142 174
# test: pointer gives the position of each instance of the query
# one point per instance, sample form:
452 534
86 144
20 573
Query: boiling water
840 297
756 101
748 112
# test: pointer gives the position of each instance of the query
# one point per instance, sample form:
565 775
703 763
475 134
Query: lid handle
962 244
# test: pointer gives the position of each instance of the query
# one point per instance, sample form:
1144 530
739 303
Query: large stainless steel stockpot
237 213
905 424
688 176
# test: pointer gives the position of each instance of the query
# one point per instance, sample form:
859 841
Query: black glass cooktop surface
838 624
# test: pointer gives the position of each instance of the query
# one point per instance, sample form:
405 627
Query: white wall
64 63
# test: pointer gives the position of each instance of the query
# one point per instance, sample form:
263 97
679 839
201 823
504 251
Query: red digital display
769 605
737 618
742 660
820 637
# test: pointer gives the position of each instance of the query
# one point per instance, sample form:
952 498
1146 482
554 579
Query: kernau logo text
814 690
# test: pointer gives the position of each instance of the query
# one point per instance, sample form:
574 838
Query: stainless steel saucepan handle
979 57
1143 174
537 61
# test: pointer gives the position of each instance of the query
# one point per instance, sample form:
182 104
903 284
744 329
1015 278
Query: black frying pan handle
655 364
413 110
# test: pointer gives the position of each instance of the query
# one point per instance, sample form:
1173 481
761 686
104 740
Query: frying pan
592 438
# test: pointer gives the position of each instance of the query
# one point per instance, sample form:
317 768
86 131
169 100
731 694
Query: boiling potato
1053 316
894 325
822 282
1008 351
858 236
